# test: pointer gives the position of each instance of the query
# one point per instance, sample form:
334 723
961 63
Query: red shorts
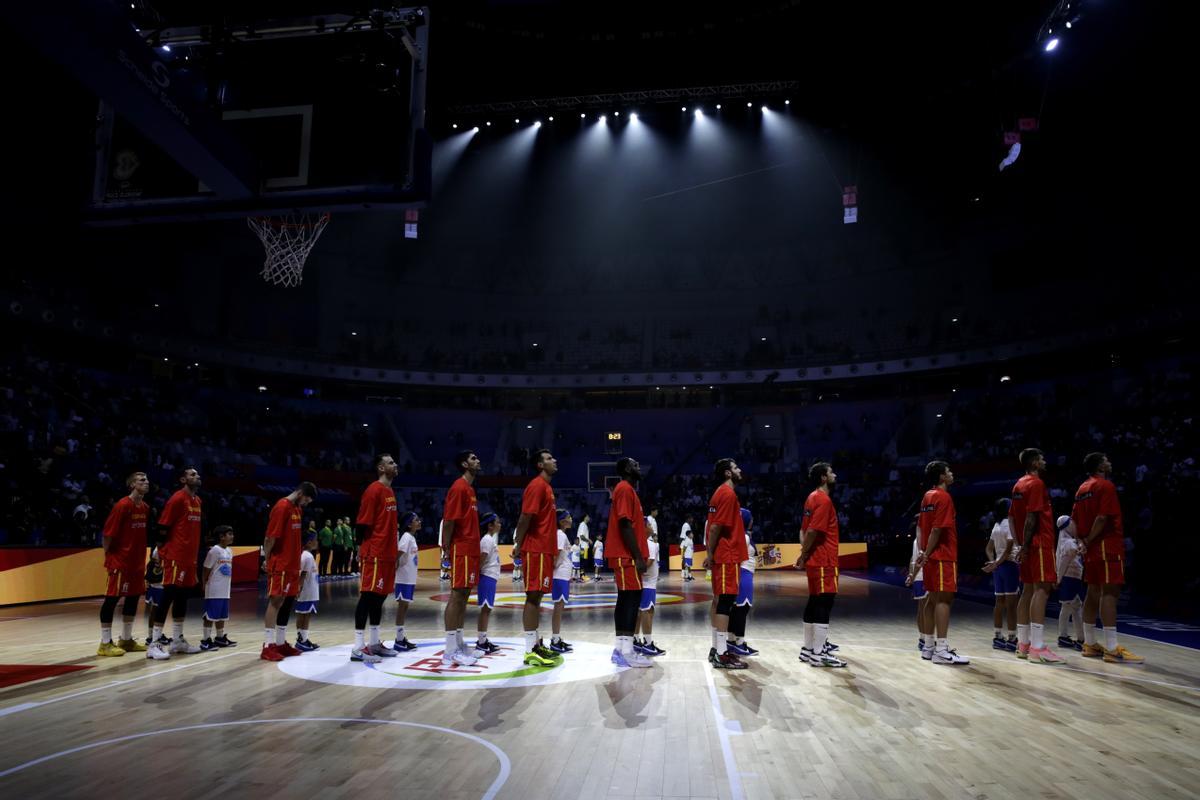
178 573
124 582
725 578
464 572
378 576
941 576
539 571
1104 572
626 575
283 583
1037 566
824 580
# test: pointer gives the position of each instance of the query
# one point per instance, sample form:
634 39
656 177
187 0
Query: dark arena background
905 283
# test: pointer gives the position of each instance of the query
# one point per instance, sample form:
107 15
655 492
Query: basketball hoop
287 241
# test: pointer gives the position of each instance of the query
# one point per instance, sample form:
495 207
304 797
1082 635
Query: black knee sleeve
160 611
285 611
130 607
737 620
823 608
106 610
361 611
625 615
179 604
725 604
376 613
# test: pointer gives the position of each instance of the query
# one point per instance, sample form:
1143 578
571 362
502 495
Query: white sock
820 633
809 633
1064 616
1089 634
626 643
1022 634
451 644
268 636
399 633
998 632
530 640
722 643
1037 636
105 634
177 630
480 637
358 640
1110 638
1012 634
740 639
126 631
207 629
280 634
1078 618
555 638
717 637
373 631
302 634
941 645
459 639
155 633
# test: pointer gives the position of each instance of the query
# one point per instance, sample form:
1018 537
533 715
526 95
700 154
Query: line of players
1027 565
388 563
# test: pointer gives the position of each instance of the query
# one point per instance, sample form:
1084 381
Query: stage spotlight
763 108
166 48
697 113
748 105
683 108
616 113
787 102
537 124
455 126
581 116
551 119
633 116
604 117
475 129
718 106
1068 25
1052 45
516 122
489 123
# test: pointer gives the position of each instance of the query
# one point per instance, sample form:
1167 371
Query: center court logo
423 669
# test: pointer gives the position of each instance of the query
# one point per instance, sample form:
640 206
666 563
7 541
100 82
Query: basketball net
287 241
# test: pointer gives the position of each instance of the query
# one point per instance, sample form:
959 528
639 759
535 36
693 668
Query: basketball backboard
201 116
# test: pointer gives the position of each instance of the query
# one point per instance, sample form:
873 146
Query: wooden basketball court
226 724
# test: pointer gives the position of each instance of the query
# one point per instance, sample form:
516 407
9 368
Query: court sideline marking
731 770
4 712
492 790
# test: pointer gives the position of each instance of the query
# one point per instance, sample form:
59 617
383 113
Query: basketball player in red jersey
939 558
179 552
281 561
536 543
819 559
626 554
725 543
460 539
378 533
124 546
1031 520
1098 524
